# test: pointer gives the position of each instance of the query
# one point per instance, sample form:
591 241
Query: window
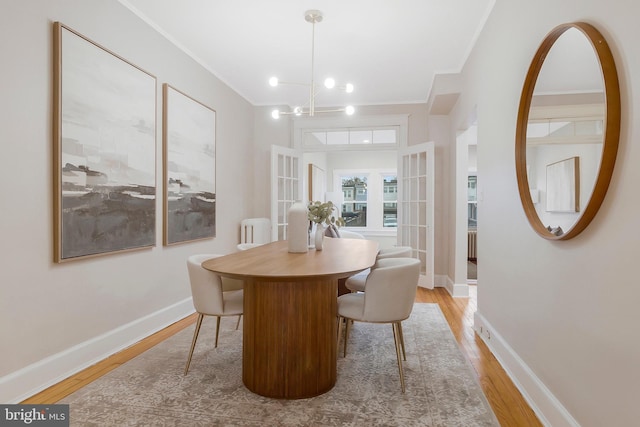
354 206
363 147
370 198
390 201
336 133
350 137
347 193
472 201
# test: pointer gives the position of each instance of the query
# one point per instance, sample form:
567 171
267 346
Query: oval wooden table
290 312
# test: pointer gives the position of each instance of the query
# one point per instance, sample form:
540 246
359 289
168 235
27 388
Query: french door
416 206
286 187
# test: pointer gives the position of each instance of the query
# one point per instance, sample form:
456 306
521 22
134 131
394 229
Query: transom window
351 137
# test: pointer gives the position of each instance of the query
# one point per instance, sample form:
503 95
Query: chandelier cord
312 89
313 17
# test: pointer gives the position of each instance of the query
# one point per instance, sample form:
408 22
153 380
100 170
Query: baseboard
457 290
546 406
32 379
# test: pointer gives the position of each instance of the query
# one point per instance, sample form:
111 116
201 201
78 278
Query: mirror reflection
565 131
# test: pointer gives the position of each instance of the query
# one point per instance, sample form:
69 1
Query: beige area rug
150 390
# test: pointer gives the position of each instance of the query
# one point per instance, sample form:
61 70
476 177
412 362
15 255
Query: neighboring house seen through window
370 198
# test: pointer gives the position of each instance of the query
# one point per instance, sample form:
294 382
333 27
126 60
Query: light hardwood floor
505 399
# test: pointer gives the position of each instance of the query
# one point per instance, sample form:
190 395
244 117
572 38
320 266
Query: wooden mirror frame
611 129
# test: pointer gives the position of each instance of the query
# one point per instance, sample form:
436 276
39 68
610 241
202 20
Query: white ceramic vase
297 228
319 238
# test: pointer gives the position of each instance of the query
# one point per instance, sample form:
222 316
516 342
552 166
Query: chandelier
313 17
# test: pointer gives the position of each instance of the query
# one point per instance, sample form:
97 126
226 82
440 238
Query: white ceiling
571 66
389 49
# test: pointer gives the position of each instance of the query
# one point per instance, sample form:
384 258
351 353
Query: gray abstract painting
190 168
105 147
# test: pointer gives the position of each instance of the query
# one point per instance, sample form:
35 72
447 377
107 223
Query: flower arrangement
322 213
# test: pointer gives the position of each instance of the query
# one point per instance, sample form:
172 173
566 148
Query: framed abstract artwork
104 119
189 145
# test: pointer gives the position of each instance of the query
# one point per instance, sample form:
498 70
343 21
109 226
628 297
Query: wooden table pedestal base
289 336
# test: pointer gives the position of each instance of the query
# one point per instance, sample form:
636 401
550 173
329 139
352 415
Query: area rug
151 390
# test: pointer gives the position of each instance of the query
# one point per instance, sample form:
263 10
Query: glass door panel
286 187
416 204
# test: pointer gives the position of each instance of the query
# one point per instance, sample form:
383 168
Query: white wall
473 156
562 315
444 139
268 132
57 318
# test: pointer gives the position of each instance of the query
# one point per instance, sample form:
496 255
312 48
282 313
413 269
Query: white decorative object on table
297 228
319 237
322 213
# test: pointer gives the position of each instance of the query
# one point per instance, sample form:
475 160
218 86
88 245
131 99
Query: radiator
472 247
255 230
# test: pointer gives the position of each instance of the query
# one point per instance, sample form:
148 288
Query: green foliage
322 213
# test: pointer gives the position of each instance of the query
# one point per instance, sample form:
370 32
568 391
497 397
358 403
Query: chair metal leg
193 341
217 330
396 338
340 322
346 335
404 353
238 324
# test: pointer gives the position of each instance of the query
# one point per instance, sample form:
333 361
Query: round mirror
567 131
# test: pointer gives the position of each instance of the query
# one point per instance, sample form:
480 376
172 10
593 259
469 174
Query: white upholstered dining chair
346 234
356 282
212 296
391 290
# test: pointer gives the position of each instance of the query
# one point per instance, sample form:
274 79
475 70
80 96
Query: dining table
289 344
